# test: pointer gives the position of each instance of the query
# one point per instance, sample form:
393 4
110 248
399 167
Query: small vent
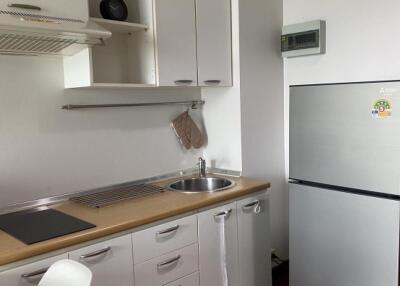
41 18
17 44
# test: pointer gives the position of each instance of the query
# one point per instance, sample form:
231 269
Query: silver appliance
345 184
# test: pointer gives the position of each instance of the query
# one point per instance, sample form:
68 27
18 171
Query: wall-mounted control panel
303 39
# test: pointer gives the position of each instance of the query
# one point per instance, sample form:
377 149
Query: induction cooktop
40 224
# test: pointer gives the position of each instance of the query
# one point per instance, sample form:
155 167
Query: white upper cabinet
214 42
254 241
176 42
162 43
30 274
125 60
218 246
111 261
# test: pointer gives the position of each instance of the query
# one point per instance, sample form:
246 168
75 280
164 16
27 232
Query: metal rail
194 104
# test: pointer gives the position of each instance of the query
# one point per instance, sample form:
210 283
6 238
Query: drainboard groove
109 197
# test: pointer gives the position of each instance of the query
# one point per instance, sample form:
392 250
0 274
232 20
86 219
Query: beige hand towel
196 136
187 131
179 125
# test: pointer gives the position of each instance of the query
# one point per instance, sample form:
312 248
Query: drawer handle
184 81
168 262
223 214
35 273
212 81
256 206
168 230
24 6
95 253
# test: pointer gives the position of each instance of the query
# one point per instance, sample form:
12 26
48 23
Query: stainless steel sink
202 185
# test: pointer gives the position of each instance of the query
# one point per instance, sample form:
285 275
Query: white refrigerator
344 184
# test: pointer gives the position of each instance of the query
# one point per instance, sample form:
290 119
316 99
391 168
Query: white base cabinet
30 274
225 246
191 280
110 262
167 268
254 241
218 246
234 244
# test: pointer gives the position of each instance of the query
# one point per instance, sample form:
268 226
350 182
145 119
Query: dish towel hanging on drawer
222 243
188 133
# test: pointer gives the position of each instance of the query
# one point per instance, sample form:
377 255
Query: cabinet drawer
164 238
30 274
110 261
191 280
167 268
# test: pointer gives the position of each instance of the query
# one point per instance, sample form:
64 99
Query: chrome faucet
202 168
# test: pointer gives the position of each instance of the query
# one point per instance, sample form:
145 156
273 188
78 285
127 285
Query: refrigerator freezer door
341 239
337 138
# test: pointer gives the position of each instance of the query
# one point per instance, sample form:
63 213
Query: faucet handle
202 167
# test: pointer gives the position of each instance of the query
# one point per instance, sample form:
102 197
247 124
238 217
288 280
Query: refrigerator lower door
336 138
342 239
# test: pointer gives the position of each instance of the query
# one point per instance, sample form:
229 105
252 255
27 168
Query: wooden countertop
124 216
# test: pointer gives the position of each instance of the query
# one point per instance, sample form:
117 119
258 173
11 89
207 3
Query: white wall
222 112
245 123
262 105
362 43
46 151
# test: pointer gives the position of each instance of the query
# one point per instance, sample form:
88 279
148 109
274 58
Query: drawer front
164 238
167 268
191 280
30 274
110 261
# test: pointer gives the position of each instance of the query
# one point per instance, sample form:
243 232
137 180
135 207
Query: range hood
29 29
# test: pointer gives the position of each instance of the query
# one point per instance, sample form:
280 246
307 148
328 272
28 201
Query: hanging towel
180 126
189 135
196 136
222 243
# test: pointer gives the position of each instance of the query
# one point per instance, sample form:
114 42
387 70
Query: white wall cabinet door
111 261
218 246
214 42
30 274
176 42
254 241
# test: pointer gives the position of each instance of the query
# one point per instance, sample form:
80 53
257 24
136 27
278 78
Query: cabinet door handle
168 230
24 6
184 81
168 262
255 205
35 273
212 81
223 214
95 253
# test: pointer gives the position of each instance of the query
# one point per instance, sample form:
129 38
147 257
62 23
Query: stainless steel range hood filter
17 43
59 27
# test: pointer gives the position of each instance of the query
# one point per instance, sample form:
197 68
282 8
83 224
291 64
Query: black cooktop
32 226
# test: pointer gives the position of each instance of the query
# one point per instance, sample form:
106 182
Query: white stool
67 273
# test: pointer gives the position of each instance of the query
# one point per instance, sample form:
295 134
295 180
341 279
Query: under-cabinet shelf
119 26
117 85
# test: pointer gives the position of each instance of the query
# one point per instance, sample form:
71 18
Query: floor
280 275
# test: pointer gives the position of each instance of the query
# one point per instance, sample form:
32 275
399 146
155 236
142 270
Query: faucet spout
202 168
